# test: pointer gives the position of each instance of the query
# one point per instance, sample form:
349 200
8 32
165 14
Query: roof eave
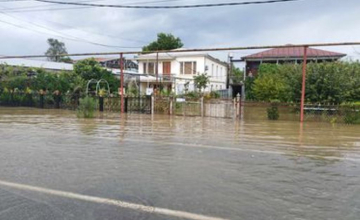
292 58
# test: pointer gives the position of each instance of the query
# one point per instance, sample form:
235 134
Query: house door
166 68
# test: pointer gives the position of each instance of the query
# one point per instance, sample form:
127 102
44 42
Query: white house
177 68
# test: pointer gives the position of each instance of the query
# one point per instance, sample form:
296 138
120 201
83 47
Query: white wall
217 78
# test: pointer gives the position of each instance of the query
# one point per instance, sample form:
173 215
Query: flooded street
208 167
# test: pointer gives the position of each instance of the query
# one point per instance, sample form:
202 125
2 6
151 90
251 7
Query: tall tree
164 42
55 49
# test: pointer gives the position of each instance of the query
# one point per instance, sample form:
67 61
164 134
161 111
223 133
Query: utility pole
122 82
303 86
230 71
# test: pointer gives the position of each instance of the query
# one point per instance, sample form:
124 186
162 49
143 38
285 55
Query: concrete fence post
171 105
234 107
202 106
238 105
152 104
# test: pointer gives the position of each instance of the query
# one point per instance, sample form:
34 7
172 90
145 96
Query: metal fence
219 108
225 93
329 113
188 108
17 99
140 104
163 105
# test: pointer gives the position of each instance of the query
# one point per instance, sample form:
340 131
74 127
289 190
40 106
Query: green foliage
86 108
326 82
237 75
214 95
55 49
351 112
90 69
102 92
164 42
132 89
249 90
5 98
66 60
64 82
201 81
331 82
193 95
166 93
269 86
273 111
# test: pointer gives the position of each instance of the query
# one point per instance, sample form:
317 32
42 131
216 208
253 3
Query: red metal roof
293 52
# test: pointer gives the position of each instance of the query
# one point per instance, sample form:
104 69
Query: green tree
164 42
249 91
268 87
237 75
201 81
90 69
56 48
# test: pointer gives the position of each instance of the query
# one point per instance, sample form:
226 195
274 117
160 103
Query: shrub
269 86
351 113
214 94
86 108
5 98
273 111
193 95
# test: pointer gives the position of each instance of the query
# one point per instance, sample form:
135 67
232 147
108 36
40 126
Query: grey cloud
299 22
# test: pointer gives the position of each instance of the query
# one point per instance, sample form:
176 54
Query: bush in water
86 108
351 113
273 111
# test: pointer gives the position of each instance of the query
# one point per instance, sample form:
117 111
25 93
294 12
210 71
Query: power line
69 37
104 35
46 8
168 7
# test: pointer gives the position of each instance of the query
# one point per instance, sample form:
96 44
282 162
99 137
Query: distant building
287 55
176 69
114 63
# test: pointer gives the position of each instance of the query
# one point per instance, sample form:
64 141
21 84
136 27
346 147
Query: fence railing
219 108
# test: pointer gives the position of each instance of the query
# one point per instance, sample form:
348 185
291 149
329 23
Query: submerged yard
193 167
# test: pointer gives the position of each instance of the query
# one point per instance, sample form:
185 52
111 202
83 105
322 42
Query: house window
144 68
187 67
149 68
212 69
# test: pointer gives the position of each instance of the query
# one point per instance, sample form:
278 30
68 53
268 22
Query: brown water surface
253 169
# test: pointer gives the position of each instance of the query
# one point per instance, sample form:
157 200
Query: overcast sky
305 21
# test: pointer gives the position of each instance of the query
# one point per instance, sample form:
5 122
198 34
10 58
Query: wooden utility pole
303 86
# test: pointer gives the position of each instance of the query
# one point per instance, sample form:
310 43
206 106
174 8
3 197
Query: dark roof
293 52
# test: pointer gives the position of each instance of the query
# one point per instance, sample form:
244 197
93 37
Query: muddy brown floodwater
206 167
